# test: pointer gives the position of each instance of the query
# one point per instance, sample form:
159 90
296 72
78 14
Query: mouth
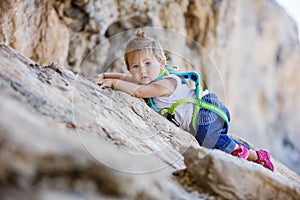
144 78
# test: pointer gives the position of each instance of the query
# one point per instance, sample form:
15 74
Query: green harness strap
199 103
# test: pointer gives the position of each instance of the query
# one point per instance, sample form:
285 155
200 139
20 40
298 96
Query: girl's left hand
96 79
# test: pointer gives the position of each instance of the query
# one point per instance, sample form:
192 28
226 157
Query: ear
163 63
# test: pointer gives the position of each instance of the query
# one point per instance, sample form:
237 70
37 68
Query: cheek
134 75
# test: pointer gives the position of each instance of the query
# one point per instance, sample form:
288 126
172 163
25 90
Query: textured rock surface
231 178
256 47
253 45
52 139
63 137
34 28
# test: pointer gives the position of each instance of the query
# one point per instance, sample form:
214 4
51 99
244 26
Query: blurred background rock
251 52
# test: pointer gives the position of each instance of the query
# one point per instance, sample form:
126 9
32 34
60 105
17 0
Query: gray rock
60 133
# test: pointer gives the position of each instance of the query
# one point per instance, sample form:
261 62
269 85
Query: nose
143 69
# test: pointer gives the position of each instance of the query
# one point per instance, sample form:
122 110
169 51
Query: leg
212 133
211 129
252 155
261 157
213 136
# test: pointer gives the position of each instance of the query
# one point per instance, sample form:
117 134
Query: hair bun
140 33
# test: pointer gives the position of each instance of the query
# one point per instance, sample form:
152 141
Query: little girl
145 60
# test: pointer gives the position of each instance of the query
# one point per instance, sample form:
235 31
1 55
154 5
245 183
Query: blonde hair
142 42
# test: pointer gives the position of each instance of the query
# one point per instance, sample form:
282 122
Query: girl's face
144 66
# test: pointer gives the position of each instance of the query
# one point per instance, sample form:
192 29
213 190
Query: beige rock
234 178
60 133
255 48
250 55
35 30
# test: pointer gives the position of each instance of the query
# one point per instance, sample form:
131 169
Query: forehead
138 55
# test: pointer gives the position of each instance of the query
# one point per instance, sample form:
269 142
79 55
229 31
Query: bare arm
121 76
111 75
164 87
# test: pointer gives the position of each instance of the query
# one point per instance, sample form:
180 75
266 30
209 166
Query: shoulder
165 86
174 78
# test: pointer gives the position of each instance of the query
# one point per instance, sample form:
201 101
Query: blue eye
134 67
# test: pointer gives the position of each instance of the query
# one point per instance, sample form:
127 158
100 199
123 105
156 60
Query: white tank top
184 112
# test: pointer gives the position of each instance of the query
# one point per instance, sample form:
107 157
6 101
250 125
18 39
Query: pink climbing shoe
241 152
264 159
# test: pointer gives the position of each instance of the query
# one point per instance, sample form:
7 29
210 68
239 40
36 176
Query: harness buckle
165 112
199 102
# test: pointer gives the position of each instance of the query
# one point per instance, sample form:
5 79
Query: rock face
250 54
62 136
237 180
255 45
34 28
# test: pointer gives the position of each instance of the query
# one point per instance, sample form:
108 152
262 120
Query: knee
210 134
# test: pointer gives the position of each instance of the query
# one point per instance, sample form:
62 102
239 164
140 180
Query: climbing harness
169 113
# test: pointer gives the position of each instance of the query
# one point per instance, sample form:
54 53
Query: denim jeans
211 129
213 136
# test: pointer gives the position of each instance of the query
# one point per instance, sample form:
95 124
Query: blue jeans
211 129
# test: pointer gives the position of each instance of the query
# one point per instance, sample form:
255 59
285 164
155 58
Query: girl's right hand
107 83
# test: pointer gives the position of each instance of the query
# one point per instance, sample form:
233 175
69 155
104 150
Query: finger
104 86
100 82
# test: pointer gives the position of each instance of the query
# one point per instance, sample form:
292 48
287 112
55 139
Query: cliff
61 136
249 52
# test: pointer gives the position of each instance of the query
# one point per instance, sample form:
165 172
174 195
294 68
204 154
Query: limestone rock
250 58
62 136
231 178
60 132
255 47
34 29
